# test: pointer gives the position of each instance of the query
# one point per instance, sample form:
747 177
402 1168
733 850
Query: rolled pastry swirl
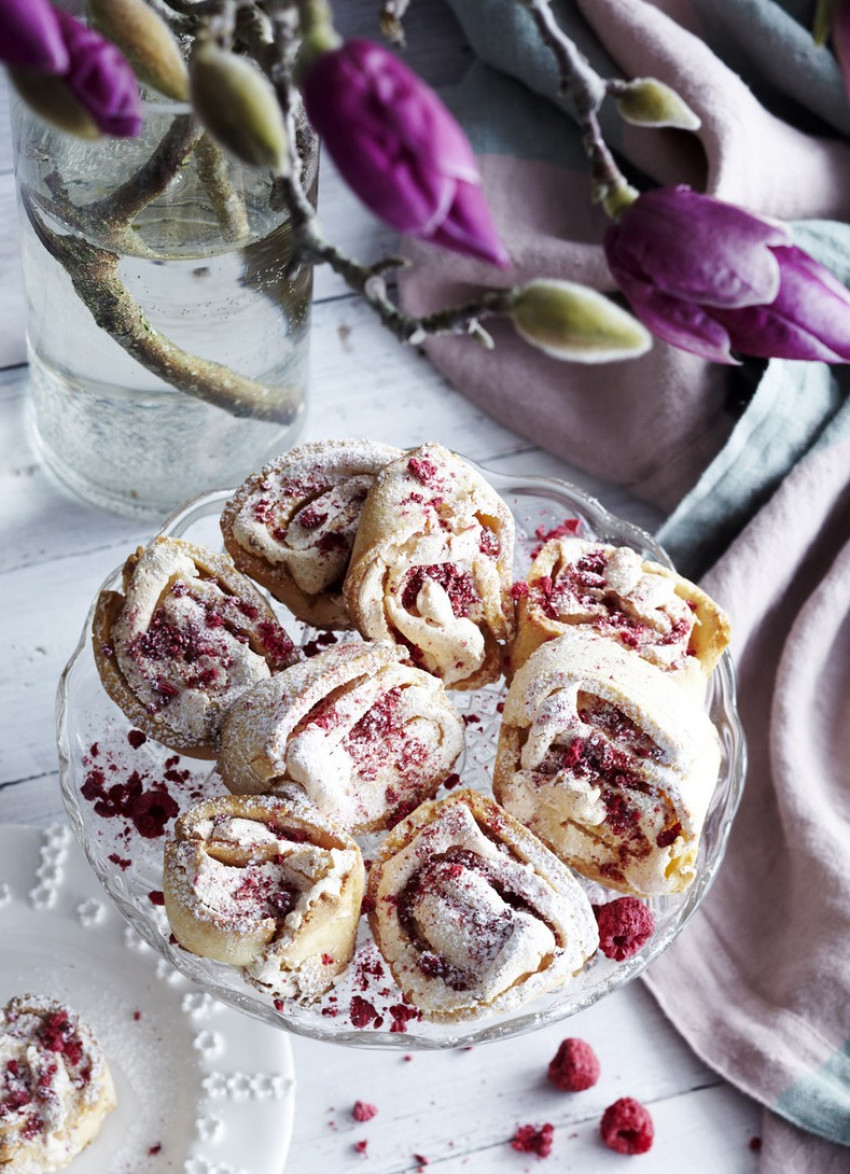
474 915
609 762
266 885
55 1085
642 605
292 525
356 729
431 567
188 635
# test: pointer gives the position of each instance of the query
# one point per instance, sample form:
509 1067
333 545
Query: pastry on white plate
644 606
606 759
188 634
356 730
266 885
431 566
292 525
473 914
55 1086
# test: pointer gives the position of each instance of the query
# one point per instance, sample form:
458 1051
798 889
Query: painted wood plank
460 1110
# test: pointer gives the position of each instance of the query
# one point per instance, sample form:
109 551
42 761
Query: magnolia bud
239 108
822 24
53 100
648 102
570 321
146 41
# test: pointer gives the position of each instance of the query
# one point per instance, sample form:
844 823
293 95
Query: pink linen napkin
759 983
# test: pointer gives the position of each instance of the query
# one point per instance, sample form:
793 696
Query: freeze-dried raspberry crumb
755 1144
626 1127
528 1139
625 925
360 1146
574 1066
363 1111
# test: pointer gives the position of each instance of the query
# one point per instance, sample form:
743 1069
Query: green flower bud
822 24
648 102
573 322
146 41
53 100
238 107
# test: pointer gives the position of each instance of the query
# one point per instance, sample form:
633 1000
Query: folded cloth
758 457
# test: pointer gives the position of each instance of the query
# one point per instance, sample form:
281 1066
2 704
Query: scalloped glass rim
554 500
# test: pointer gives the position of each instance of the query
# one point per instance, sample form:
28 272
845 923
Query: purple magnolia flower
101 79
711 278
399 149
30 37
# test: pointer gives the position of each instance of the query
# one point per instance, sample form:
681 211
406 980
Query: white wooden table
457 1110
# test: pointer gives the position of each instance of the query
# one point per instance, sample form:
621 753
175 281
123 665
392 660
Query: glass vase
167 325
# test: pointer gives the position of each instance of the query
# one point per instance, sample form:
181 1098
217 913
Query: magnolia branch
95 277
587 89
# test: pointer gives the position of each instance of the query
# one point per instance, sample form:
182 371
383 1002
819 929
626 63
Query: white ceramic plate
201 1089
93 737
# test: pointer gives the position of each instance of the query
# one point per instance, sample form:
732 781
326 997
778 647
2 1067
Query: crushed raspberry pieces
451 781
626 1127
156 897
519 589
625 925
363 1014
458 585
363 1111
489 543
401 1014
276 644
668 836
574 1066
360 1147
136 738
528 1139
58 1035
311 518
422 469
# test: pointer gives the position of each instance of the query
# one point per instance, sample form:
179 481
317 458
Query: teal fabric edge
820 1101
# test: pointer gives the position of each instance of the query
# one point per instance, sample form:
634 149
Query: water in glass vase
167 327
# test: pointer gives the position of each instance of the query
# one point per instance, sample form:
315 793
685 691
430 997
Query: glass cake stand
93 737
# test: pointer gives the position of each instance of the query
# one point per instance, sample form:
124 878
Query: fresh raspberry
363 1111
528 1139
574 1066
626 1127
624 926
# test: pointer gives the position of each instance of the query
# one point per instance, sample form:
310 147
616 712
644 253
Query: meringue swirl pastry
474 915
645 607
291 526
606 759
431 567
187 636
356 730
55 1086
266 885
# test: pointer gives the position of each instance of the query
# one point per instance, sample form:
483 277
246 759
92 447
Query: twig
148 181
228 205
94 274
587 90
390 20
